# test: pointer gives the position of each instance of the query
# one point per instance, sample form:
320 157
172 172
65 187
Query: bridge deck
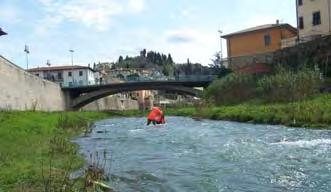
138 84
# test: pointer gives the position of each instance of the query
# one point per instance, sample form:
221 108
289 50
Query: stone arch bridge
77 97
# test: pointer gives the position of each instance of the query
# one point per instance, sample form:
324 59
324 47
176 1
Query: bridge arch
77 97
86 98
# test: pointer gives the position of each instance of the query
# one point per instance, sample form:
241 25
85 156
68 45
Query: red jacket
156 115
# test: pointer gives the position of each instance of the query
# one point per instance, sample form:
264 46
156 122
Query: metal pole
27 61
72 65
221 53
27 51
72 57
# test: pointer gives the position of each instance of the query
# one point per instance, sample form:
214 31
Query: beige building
314 18
145 98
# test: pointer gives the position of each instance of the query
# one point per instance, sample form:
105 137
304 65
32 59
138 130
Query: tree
169 59
143 53
217 62
120 59
218 67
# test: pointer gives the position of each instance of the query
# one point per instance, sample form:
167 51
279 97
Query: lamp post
48 72
27 52
2 32
72 56
221 53
72 64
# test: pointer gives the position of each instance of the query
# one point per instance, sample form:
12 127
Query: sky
102 30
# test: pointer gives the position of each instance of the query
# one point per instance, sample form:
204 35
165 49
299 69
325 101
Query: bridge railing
177 78
192 78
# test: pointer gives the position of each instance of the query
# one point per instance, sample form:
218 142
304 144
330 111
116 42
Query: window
80 73
37 74
317 18
80 82
59 75
70 84
69 74
267 40
300 2
301 23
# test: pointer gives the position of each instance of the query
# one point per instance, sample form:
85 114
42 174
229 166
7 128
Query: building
256 45
68 76
135 74
313 19
258 40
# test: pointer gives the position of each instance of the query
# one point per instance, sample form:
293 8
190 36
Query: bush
232 89
288 86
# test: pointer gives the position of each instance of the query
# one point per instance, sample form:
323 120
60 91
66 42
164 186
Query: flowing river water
188 155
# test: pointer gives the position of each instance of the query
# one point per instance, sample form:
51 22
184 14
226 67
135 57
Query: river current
188 155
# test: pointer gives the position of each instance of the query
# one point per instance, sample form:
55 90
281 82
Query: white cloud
97 14
136 6
183 13
9 14
199 45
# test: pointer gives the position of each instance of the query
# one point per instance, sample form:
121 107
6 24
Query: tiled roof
259 28
59 68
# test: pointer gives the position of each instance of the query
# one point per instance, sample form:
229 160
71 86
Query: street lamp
221 53
72 56
48 63
27 52
2 32
72 64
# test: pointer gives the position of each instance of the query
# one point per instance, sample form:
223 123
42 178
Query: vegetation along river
189 155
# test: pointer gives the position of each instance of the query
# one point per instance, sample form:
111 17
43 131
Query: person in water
156 116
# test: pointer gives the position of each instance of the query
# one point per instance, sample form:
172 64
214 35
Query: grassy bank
35 149
312 113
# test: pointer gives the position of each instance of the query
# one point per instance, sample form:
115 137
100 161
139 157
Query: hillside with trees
165 64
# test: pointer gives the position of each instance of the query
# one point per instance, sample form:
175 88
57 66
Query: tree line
164 63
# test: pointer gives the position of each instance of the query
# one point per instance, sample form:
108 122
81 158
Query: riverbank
35 149
313 113
36 153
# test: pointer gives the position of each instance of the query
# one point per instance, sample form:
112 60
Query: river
188 155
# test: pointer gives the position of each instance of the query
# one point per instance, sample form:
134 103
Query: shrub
232 89
288 86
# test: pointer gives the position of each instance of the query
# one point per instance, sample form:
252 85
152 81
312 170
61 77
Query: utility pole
27 52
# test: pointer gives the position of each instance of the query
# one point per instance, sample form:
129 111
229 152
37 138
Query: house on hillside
314 19
250 49
68 76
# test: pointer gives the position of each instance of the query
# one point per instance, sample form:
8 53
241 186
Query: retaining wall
20 90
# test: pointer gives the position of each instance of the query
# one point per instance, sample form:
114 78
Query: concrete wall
20 90
114 102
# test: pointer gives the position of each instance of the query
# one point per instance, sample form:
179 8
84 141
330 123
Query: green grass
32 141
313 113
